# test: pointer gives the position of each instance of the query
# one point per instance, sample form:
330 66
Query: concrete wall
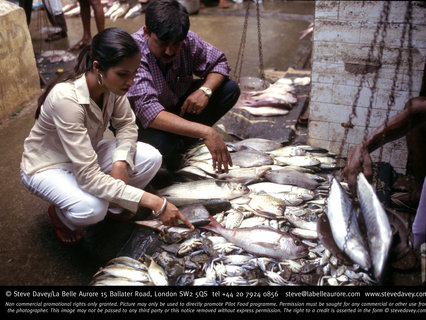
343 32
19 79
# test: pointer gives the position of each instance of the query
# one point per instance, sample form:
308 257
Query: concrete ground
30 254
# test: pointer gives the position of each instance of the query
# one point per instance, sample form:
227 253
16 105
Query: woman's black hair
168 19
109 47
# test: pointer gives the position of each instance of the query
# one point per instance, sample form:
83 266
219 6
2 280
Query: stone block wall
343 33
19 79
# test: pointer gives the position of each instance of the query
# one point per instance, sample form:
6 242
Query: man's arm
413 115
198 100
172 123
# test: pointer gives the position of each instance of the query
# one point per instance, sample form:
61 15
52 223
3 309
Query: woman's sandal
74 236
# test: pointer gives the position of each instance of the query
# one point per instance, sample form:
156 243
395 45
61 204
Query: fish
291 177
122 271
344 225
264 111
194 173
267 205
301 223
271 187
272 102
245 174
199 191
113 8
287 151
306 31
167 234
206 166
325 237
262 241
379 231
250 158
113 281
196 214
258 144
281 87
304 233
157 274
130 262
301 161
134 11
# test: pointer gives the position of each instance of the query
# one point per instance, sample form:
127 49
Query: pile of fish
275 100
126 271
112 9
278 217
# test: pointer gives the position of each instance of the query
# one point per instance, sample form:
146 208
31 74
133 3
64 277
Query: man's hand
195 103
358 161
218 150
119 171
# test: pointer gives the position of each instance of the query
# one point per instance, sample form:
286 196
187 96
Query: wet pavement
30 253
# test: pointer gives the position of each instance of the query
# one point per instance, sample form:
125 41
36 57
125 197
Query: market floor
30 254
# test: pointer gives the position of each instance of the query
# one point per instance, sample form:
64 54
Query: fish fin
213 225
266 244
220 183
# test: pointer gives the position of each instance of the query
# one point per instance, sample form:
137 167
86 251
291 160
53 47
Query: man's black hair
168 19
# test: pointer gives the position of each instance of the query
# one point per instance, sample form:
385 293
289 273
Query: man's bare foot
65 235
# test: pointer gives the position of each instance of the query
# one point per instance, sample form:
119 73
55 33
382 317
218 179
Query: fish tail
213 225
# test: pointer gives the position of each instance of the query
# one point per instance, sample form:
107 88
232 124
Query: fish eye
297 242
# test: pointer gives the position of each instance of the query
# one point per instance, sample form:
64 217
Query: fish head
295 248
237 188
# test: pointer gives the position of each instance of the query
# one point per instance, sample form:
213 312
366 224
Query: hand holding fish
219 151
358 161
170 215
195 103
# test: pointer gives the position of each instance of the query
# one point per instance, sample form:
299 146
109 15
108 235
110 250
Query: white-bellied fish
262 241
266 205
247 158
202 190
379 232
344 225
301 161
291 177
258 144
157 274
271 188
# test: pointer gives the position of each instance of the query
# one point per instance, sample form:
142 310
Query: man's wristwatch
207 91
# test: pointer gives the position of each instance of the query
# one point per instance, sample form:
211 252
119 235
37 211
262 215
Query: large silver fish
292 177
253 173
250 158
344 225
262 241
199 191
379 231
258 144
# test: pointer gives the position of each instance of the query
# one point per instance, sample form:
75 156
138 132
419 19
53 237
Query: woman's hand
172 215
